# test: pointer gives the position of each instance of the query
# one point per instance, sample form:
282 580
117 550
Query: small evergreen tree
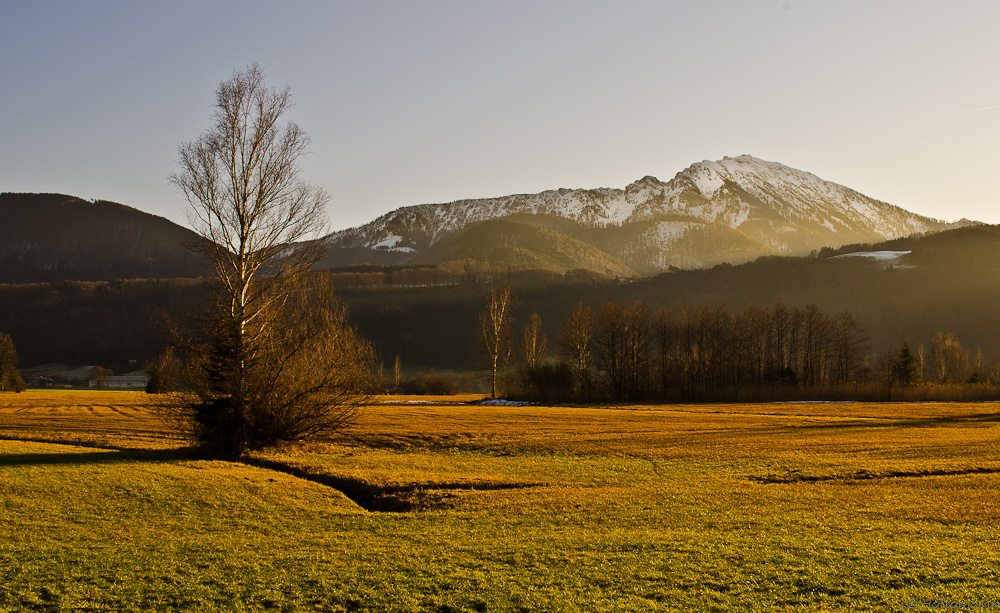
10 376
905 370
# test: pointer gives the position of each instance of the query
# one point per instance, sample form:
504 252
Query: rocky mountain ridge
732 210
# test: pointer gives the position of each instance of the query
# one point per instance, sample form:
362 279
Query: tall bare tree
535 342
261 376
577 343
610 346
950 359
496 325
635 317
850 345
241 178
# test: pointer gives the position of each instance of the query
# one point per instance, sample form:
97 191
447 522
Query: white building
131 381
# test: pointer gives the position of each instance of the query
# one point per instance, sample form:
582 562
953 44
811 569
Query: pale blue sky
431 101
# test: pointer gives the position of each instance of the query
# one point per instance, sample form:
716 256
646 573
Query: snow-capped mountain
731 210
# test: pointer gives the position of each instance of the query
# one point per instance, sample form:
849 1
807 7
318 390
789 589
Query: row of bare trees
696 352
625 352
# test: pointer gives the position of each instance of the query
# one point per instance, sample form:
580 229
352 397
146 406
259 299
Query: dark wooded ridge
949 282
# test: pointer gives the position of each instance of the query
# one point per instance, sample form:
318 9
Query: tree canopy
275 358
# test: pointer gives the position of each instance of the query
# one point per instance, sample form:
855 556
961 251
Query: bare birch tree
241 178
496 325
261 377
535 342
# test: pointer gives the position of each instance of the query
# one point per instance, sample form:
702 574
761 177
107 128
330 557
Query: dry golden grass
808 506
114 419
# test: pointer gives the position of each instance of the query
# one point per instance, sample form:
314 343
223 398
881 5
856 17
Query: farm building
133 380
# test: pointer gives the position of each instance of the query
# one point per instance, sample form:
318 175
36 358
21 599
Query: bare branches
241 178
280 360
496 325
535 342
577 343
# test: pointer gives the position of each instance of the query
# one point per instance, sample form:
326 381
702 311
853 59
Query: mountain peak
733 209
645 182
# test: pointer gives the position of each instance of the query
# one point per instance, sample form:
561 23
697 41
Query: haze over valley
427 263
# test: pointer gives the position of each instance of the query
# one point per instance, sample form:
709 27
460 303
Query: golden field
456 506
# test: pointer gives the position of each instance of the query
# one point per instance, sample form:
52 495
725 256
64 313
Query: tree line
625 352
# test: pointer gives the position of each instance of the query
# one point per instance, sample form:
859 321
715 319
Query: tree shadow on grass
400 498
78 458
372 497
970 419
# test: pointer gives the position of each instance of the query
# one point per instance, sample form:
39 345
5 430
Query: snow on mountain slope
418 227
773 206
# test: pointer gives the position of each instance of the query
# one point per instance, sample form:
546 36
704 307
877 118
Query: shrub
430 383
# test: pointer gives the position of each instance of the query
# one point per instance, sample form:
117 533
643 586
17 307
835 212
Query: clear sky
410 101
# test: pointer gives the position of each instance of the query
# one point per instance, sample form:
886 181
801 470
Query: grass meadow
438 505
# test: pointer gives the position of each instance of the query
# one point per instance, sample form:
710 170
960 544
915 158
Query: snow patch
816 402
505 403
708 181
669 231
389 242
880 256
619 210
738 219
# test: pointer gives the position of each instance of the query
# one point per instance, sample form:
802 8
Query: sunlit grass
684 507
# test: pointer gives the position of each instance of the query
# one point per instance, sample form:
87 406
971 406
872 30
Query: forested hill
907 290
54 237
903 290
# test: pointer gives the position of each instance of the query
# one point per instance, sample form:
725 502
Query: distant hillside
900 290
53 237
523 241
944 282
732 210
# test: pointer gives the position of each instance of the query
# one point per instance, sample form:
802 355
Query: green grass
615 509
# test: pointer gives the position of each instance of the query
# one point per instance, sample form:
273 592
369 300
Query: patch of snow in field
505 403
816 402
881 256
